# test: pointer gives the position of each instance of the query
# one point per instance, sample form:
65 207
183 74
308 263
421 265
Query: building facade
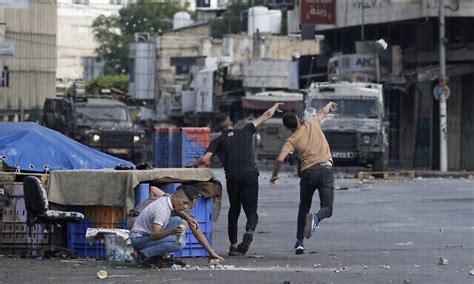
27 57
75 39
411 65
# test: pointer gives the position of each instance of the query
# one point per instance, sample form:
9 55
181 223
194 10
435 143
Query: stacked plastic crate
95 217
14 235
176 147
202 212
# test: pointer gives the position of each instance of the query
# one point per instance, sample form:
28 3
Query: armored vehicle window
102 113
351 107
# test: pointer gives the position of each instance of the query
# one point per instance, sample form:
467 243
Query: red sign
318 12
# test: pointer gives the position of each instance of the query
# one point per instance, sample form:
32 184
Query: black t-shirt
235 150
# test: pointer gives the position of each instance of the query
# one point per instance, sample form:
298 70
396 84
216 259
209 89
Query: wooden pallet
386 175
11 177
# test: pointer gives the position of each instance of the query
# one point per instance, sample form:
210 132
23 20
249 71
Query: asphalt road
381 232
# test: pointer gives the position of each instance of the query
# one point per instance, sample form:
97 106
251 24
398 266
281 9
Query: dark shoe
310 226
299 248
234 251
140 259
243 247
171 260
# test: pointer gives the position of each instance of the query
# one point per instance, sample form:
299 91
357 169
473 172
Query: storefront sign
318 12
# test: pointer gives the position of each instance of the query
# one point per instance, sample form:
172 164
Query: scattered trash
256 256
75 261
317 265
442 261
334 257
343 268
177 267
341 188
337 271
210 275
417 266
102 274
453 246
405 244
471 272
385 266
441 230
286 282
407 281
214 261
365 267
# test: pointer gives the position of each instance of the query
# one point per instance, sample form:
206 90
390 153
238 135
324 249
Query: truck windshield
350 107
102 113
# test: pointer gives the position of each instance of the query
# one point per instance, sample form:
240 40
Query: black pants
243 192
322 179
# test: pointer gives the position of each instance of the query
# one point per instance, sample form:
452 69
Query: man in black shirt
234 148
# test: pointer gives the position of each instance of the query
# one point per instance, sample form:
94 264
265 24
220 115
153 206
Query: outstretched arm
204 159
330 107
278 163
200 235
267 114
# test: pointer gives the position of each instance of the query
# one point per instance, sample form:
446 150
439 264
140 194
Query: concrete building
411 64
27 57
189 52
75 40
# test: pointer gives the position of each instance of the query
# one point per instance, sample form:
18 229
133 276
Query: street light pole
443 143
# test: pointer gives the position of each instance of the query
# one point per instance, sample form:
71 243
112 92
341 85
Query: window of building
182 69
5 79
116 2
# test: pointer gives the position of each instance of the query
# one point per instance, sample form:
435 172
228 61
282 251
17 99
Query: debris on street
442 261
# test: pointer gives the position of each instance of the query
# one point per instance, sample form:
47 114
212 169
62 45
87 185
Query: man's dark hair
190 191
219 120
290 120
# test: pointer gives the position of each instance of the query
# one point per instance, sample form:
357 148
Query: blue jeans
151 248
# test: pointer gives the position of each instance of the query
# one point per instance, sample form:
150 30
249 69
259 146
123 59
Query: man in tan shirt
312 149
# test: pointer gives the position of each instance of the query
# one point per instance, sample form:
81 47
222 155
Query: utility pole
362 35
443 131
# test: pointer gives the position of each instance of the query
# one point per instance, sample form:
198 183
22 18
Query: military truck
356 132
99 122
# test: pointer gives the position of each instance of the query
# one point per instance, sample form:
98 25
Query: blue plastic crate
170 187
202 212
142 193
76 240
175 147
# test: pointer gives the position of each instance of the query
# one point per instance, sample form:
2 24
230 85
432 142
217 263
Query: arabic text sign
318 12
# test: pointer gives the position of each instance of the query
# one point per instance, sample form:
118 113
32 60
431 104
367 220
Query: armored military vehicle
99 122
356 132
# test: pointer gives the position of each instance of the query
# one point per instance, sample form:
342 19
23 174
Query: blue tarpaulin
32 147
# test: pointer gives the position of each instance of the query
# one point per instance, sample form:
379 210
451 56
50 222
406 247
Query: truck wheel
379 164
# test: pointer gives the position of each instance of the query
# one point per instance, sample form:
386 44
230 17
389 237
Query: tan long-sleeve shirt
309 144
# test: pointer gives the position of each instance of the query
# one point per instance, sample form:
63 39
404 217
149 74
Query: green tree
119 82
115 33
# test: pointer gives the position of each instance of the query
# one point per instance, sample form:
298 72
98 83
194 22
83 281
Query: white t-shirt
158 212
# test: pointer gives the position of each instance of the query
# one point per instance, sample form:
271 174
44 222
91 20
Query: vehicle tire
379 164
